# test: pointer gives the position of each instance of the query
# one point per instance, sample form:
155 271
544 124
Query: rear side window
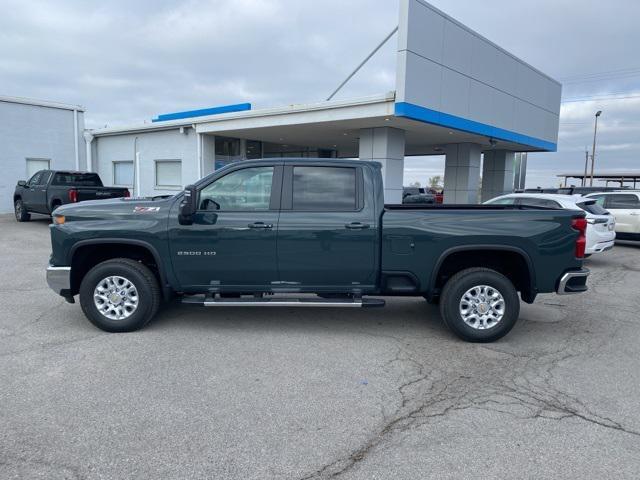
622 201
324 189
538 202
593 208
76 180
503 201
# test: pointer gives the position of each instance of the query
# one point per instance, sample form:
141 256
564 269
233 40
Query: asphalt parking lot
293 394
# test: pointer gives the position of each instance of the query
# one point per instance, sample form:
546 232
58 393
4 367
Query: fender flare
465 248
127 241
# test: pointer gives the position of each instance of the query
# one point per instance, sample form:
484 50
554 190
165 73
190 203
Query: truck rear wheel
21 212
119 295
479 305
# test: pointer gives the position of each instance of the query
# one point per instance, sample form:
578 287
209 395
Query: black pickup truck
46 190
311 233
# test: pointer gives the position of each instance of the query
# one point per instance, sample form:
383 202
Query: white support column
88 138
462 173
497 173
386 145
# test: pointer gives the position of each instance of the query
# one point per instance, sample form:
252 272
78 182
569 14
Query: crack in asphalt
434 398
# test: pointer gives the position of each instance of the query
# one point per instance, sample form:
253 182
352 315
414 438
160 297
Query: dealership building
456 94
37 135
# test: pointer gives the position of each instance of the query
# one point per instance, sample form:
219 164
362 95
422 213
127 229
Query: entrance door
326 234
232 242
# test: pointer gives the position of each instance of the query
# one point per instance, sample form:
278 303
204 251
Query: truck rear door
327 231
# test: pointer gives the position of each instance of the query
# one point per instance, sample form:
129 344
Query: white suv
625 206
600 223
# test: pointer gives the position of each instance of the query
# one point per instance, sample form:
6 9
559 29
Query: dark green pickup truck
310 233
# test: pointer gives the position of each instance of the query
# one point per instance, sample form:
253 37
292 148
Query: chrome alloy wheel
482 307
116 297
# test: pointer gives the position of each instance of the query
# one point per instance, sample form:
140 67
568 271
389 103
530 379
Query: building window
123 173
36 164
169 174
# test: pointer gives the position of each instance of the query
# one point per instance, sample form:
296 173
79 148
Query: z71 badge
145 209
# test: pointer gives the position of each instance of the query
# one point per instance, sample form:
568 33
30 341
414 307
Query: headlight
59 219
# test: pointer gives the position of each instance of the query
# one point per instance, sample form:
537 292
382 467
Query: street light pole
593 151
586 166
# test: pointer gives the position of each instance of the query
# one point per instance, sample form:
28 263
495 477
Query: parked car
259 229
417 195
600 223
438 194
625 206
46 190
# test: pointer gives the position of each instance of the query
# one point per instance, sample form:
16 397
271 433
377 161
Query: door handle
357 226
260 225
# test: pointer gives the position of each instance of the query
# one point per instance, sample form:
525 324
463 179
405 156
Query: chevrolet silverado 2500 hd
312 233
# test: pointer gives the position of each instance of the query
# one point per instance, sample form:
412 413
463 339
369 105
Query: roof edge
41 103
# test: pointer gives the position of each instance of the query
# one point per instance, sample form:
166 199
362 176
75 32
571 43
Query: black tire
21 212
463 281
146 286
54 205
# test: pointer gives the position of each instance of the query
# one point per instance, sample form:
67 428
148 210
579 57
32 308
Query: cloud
128 61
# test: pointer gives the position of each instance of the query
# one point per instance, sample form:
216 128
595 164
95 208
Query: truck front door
327 234
231 246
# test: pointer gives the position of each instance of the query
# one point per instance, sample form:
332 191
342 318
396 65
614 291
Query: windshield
593 208
76 179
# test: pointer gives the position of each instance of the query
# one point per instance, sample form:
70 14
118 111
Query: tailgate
100 193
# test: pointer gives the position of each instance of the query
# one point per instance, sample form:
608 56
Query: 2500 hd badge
195 253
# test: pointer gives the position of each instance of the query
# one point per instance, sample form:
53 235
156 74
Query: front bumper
574 281
59 279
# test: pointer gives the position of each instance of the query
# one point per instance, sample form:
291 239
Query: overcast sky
127 61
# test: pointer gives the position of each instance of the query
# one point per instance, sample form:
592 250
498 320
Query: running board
283 302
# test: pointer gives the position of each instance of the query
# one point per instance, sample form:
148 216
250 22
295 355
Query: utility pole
593 151
586 166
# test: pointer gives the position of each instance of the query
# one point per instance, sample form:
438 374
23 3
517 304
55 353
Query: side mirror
22 183
188 205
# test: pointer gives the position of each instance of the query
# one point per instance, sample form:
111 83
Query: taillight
580 224
127 193
73 195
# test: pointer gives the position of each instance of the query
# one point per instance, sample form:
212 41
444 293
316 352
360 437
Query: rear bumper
59 279
574 281
601 247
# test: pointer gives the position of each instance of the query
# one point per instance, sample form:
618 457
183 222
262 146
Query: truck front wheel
479 305
119 295
22 215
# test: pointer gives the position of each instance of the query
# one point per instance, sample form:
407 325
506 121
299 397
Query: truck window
246 189
324 189
76 180
35 179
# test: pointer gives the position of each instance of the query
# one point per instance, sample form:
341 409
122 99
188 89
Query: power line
599 99
601 73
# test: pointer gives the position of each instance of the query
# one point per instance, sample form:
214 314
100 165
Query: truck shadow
401 318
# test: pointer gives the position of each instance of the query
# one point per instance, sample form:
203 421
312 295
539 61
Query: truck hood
117 208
